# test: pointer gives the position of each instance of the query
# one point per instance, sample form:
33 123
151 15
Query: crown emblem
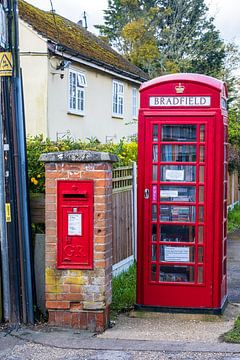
179 88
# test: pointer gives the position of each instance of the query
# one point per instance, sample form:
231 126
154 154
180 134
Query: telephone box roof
185 77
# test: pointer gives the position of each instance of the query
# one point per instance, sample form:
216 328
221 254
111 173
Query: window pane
154 252
178 193
200 274
201 174
201 194
176 273
155 171
201 213
155 153
178 133
178 153
200 234
177 233
154 273
177 213
155 132
202 133
202 154
154 212
200 254
154 232
178 173
170 253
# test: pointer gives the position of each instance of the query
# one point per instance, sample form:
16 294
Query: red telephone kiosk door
176 245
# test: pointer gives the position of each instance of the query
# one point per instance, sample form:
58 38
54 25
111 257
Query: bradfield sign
163 101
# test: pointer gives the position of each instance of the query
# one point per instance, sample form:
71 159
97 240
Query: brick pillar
80 298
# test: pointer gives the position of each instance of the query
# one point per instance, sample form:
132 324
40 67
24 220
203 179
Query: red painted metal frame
75 251
212 293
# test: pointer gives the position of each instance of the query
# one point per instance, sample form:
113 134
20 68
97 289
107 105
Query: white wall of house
34 63
97 119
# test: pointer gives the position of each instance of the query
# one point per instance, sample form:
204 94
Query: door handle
146 194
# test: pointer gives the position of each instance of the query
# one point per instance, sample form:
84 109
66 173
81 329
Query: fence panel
122 214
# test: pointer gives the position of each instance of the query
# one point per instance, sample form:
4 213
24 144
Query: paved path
151 336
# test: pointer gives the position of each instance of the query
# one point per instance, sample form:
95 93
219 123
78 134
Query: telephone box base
176 310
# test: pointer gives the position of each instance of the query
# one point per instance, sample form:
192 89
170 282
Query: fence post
134 210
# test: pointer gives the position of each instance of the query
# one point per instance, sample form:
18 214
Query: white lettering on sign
163 101
75 224
176 254
168 193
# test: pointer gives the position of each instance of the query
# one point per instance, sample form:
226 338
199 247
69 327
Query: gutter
96 64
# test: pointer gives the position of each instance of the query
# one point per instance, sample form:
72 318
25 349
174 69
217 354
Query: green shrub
126 152
124 291
234 218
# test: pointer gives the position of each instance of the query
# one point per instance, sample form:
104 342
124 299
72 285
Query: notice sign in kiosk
182 194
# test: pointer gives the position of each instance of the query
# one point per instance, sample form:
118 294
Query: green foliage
164 36
124 291
234 218
233 336
126 152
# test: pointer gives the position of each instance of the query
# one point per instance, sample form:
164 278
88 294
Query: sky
225 12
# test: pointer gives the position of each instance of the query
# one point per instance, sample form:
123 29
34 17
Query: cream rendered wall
34 63
97 120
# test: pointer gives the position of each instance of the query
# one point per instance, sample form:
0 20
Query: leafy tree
163 36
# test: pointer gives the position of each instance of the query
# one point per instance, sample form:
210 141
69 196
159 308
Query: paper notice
75 224
175 175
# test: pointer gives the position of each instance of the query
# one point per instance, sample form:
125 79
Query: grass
233 335
234 218
124 291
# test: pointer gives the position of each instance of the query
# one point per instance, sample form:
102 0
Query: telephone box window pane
224 267
171 253
225 152
177 213
179 133
225 191
201 214
201 174
154 212
202 154
225 134
155 153
155 133
225 210
178 193
225 172
225 229
200 234
155 172
154 252
178 173
177 233
202 133
200 254
200 275
177 273
154 232
154 272
201 194
178 153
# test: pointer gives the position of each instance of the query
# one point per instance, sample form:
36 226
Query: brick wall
80 298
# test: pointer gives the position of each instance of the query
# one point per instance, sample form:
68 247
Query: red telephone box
182 194
75 224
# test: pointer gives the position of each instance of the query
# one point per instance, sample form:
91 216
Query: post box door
178 241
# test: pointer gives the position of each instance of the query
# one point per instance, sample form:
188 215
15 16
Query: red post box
182 194
75 224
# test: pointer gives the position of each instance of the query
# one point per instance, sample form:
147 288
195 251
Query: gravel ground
174 327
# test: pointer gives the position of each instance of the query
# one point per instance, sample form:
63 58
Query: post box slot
75 196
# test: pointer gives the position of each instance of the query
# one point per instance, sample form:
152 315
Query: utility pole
16 191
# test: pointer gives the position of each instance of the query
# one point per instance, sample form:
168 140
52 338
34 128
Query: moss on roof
73 37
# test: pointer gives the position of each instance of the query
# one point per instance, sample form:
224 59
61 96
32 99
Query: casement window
117 99
134 103
77 84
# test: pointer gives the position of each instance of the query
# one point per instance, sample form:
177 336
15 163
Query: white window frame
76 92
118 99
134 103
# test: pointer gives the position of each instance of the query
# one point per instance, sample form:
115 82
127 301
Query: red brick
59 318
57 304
50 296
75 306
83 320
50 198
70 297
75 320
67 318
51 317
50 166
75 288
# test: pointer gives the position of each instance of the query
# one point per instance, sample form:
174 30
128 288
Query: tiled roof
74 39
